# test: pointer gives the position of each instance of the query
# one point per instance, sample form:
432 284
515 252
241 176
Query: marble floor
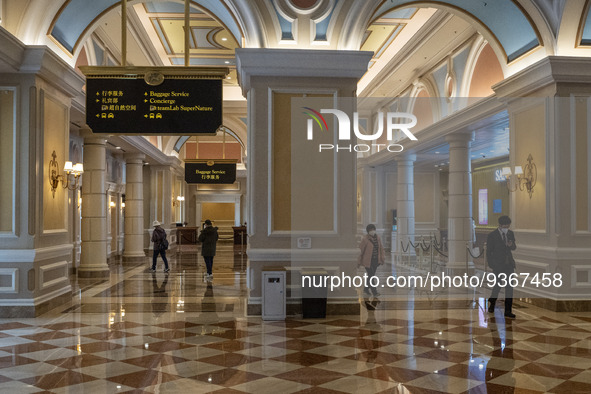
159 333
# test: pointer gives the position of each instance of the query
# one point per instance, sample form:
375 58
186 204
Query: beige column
460 201
302 201
372 199
134 208
405 205
93 259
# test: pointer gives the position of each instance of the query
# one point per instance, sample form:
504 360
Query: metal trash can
314 298
273 289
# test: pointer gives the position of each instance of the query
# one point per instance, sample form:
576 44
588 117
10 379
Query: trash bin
314 298
273 288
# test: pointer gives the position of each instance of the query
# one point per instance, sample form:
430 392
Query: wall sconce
526 177
71 170
112 204
178 201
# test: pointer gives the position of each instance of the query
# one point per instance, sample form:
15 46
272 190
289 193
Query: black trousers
155 256
508 288
208 263
371 272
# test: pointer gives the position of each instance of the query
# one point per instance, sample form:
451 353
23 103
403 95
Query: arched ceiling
396 31
76 17
504 19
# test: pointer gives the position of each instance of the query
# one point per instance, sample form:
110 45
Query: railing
421 253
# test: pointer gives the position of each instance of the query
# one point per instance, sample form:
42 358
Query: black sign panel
216 173
175 107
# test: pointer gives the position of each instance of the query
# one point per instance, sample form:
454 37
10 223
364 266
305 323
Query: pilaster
134 207
301 201
460 202
93 258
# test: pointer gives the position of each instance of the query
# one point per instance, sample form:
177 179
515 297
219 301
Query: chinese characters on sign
174 107
221 173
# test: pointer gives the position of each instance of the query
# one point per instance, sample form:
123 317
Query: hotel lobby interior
497 94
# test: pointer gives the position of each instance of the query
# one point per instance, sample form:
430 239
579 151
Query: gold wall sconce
526 177
178 201
69 180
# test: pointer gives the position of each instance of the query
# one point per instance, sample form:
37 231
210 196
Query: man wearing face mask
372 255
500 243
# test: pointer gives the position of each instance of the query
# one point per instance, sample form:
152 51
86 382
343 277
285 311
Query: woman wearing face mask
499 245
372 255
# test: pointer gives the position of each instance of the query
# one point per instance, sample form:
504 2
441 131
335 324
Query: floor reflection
157 332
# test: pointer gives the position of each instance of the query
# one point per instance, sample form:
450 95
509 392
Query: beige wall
7 131
444 199
317 173
217 211
281 166
529 129
359 195
581 161
55 127
424 197
391 201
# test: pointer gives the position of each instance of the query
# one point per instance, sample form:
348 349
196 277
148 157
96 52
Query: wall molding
43 270
13 273
35 301
35 255
310 255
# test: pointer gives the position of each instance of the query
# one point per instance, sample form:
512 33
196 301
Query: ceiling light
227 62
224 39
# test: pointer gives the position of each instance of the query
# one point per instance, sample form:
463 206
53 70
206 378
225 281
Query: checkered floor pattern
157 333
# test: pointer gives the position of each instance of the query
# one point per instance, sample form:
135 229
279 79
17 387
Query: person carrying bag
160 246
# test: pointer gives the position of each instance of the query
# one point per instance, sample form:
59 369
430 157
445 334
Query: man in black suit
499 245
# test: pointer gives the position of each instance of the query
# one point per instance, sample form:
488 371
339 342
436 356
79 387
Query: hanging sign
210 171
163 101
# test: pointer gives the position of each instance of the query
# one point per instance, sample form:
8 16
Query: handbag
164 245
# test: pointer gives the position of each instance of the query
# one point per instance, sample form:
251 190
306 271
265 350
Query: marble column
405 204
134 208
460 202
93 259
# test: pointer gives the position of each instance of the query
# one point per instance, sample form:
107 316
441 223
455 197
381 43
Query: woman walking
372 255
208 237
